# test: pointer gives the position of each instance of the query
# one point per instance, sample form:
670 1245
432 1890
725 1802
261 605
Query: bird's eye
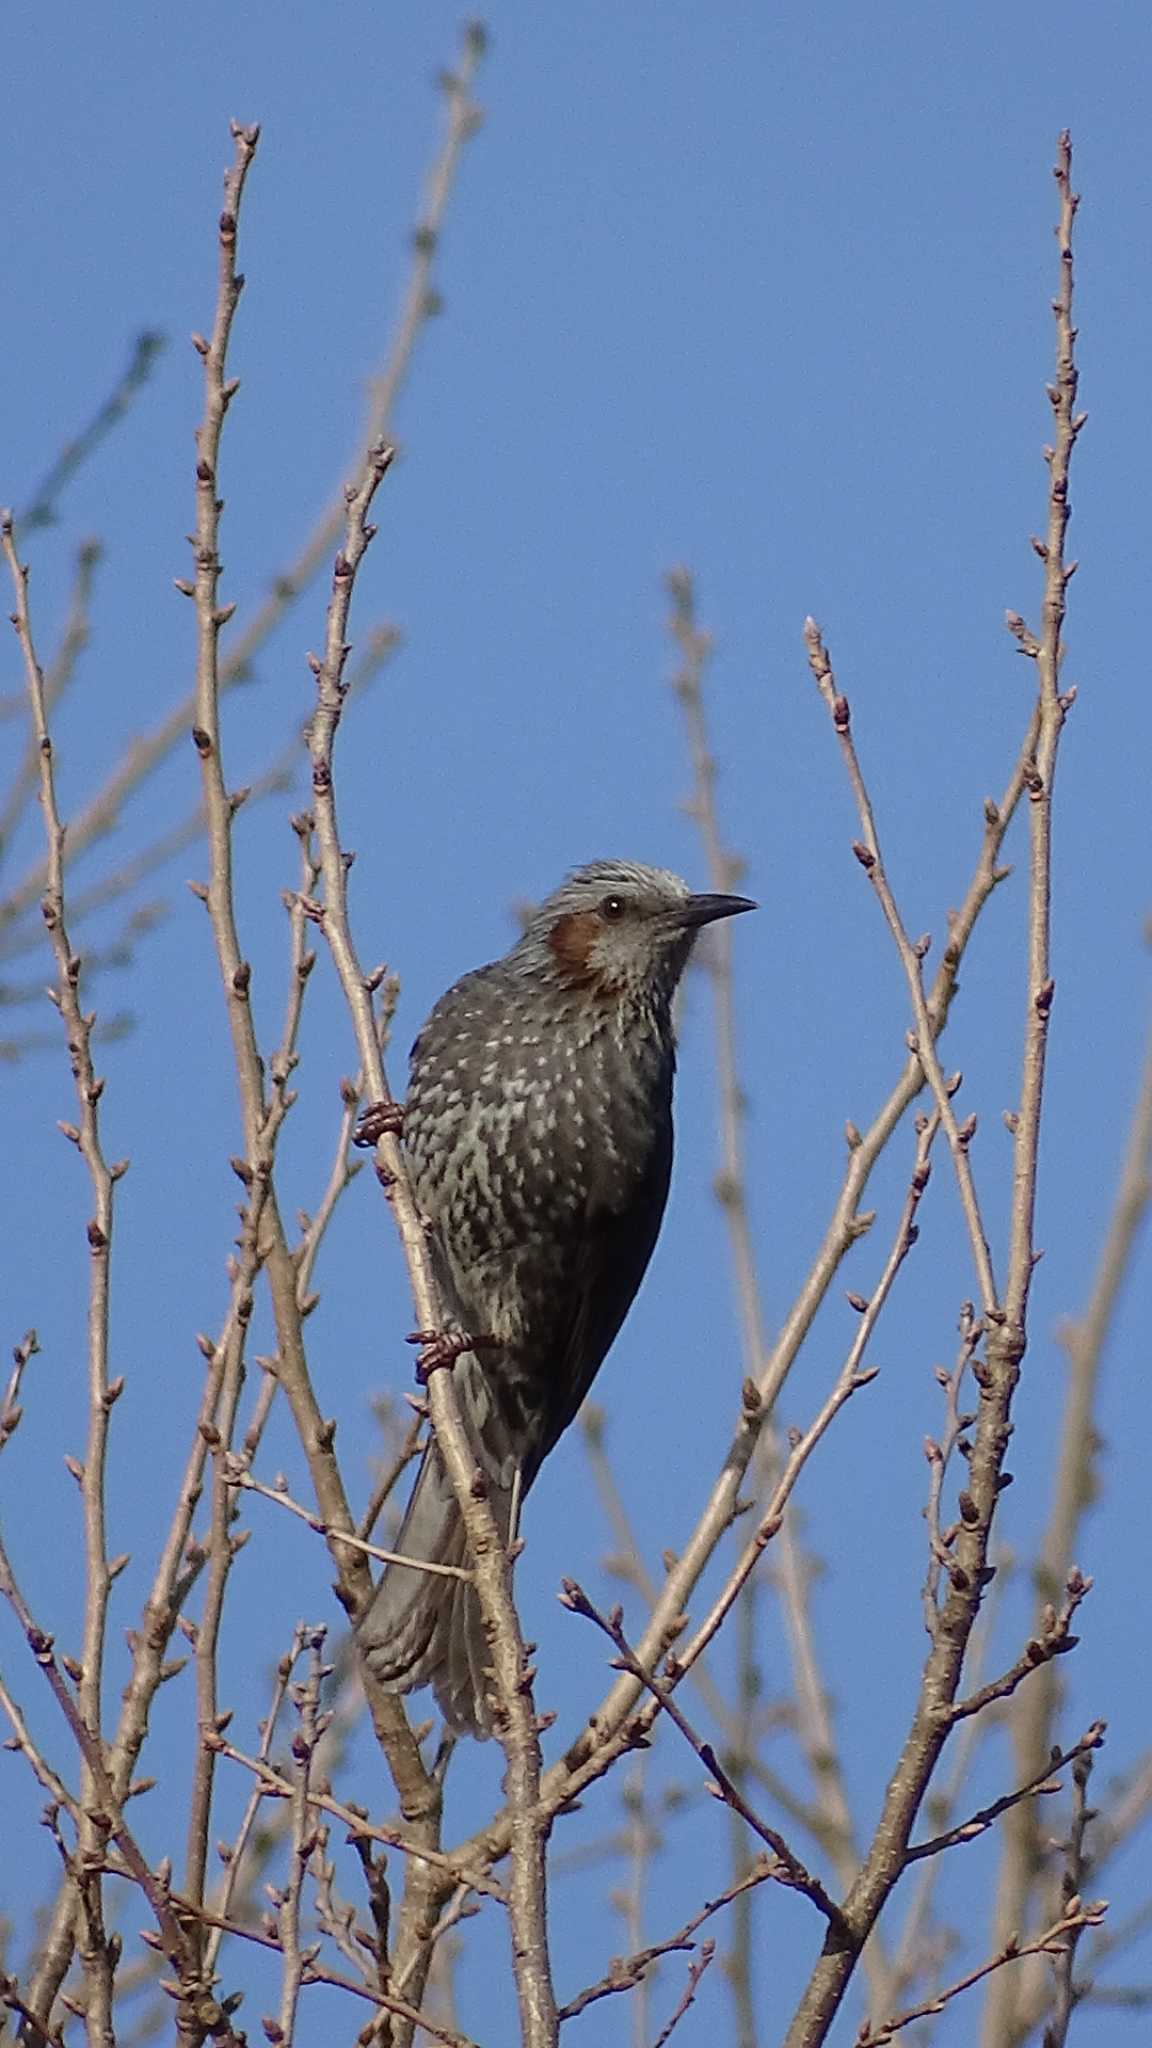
613 907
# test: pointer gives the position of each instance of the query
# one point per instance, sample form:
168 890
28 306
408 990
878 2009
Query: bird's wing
609 1265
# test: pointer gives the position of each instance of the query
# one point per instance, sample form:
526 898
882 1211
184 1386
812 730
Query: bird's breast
530 1119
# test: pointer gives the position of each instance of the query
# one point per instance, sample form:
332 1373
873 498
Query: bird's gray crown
644 889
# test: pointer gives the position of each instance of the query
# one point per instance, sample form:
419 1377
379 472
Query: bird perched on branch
538 1133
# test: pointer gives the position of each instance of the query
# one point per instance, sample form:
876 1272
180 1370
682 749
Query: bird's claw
378 1120
440 1348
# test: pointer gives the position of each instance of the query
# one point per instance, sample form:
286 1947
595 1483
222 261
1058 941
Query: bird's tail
425 1627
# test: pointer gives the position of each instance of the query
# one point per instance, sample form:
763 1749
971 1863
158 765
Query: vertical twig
516 1723
55 681
1025 1858
219 811
234 1861
304 1830
1047 653
999 1372
921 1040
739 1958
1072 1884
103 1392
419 1794
815 1731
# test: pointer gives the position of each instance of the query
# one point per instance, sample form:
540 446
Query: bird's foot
440 1348
377 1121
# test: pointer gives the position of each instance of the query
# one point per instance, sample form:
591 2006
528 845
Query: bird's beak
705 909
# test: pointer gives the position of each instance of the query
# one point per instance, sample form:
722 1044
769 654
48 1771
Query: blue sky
760 290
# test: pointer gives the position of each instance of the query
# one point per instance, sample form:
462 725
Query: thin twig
302 1843
625 1971
1026 1862
58 675
220 808
790 1870
314 1972
143 756
105 1819
103 1391
410 1448
978 1823
939 1455
852 1377
420 1796
514 1716
21 1739
1053 1638
237 1476
998 1373
277 1786
831 1819
921 1041
223 1903
1076 1863
10 1409
640 1840
339 1921
34 2031
696 1969
1050 1943
627 1563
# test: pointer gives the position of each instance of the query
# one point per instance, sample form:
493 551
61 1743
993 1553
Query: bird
537 1132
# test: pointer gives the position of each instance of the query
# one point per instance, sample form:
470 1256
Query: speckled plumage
538 1129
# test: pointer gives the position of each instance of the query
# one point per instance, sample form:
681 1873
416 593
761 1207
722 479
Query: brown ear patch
572 939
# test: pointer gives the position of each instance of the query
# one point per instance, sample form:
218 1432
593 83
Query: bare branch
104 1818
314 1972
626 1971
515 1717
21 1739
103 1392
997 1375
979 1822
56 679
142 757
1026 1863
1076 1861
358 1824
696 1969
852 1377
1051 1943
1053 1639
420 1795
789 1871
234 1859
303 1752
921 1041
238 1476
831 1821
35 2031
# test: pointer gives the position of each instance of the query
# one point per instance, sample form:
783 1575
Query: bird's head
617 931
